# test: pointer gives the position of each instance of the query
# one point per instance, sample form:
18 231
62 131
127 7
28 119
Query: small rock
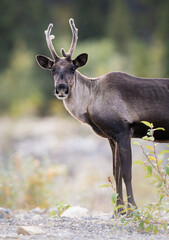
37 210
75 212
101 215
61 235
37 217
3 236
30 230
11 236
2 214
5 213
41 224
20 216
5 210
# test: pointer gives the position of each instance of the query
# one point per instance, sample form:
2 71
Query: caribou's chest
77 110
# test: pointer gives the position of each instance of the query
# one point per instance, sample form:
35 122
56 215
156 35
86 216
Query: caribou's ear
80 60
44 62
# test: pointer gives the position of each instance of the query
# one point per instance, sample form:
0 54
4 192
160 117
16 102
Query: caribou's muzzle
62 91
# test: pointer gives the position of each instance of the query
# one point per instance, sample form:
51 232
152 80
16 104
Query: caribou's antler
74 39
49 41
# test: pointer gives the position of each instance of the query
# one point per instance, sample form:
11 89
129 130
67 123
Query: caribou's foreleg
117 172
124 150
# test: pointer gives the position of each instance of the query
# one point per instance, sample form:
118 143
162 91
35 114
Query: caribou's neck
79 98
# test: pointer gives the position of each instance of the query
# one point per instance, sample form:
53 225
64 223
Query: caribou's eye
54 71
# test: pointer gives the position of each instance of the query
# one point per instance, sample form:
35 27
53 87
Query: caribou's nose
62 90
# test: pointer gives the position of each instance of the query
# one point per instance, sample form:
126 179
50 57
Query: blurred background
45 155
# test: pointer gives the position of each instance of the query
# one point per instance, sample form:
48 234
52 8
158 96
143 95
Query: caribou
113 104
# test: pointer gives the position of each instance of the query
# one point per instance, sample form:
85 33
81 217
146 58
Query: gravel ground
94 227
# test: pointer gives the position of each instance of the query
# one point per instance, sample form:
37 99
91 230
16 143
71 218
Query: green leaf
163 151
52 213
120 206
141 225
136 213
151 227
148 138
114 197
150 132
160 184
152 158
150 125
148 175
167 170
159 128
136 143
147 229
105 185
138 162
145 168
127 222
161 198
148 216
148 207
155 229
151 139
123 220
149 169
165 226
159 162
161 225
145 138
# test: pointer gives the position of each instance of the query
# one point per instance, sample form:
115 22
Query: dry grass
27 183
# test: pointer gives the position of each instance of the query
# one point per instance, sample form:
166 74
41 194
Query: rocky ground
81 227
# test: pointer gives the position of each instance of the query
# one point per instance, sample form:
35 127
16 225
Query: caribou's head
62 68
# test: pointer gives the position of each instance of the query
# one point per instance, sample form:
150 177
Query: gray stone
5 213
75 212
36 217
30 230
37 210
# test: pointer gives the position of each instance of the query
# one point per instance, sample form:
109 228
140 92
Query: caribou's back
126 100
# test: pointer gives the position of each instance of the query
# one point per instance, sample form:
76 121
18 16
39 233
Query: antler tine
49 39
74 39
75 36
